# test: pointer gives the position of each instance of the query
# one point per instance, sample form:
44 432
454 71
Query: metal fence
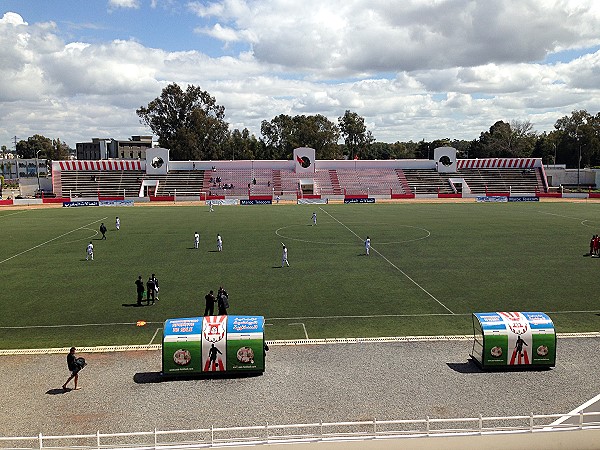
309 432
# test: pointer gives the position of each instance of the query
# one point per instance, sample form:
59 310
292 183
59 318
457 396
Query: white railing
311 432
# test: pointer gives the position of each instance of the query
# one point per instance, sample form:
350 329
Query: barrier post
40 441
531 422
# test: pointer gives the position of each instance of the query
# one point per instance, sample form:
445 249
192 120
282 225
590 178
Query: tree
578 138
242 145
504 140
37 143
278 136
190 123
355 134
284 133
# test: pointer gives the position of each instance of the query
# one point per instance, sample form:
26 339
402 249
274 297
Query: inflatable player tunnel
204 345
513 339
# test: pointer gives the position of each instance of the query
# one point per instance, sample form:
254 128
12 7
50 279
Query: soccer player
211 206
219 243
196 239
118 223
90 251
284 256
367 245
314 218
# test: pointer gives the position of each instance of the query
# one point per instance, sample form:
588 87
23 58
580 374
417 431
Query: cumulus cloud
134 4
412 69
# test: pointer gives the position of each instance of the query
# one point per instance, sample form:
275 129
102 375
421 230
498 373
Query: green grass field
431 266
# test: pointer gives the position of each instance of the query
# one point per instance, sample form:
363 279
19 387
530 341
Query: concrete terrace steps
335 182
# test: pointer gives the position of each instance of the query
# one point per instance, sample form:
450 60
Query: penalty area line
392 264
50 240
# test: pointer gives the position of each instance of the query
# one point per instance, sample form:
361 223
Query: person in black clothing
209 310
103 230
150 291
140 290
73 367
222 301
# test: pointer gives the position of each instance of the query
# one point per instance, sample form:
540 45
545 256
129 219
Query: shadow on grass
132 305
158 377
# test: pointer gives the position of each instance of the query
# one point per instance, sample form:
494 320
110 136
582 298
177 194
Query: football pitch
431 266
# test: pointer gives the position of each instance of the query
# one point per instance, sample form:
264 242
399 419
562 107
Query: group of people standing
595 246
219 241
222 301
151 289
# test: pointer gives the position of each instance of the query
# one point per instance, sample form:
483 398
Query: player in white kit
90 251
367 245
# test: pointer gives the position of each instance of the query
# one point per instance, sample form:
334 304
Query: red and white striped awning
497 163
103 165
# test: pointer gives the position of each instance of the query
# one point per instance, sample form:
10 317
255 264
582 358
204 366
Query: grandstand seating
93 183
427 181
513 180
326 182
180 182
480 181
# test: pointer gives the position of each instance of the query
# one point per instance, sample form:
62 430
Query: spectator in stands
254 181
367 245
103 230
209 309
140 290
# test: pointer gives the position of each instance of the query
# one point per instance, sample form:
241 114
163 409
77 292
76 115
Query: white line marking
154 335
309 241
53 239
303 327
70 325
12 214
391 263
375 316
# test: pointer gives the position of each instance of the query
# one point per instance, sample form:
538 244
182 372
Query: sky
413 69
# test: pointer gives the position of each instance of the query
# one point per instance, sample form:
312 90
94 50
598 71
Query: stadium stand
94 183
394 178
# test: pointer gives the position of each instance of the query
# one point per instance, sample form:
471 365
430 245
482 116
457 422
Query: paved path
123 391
